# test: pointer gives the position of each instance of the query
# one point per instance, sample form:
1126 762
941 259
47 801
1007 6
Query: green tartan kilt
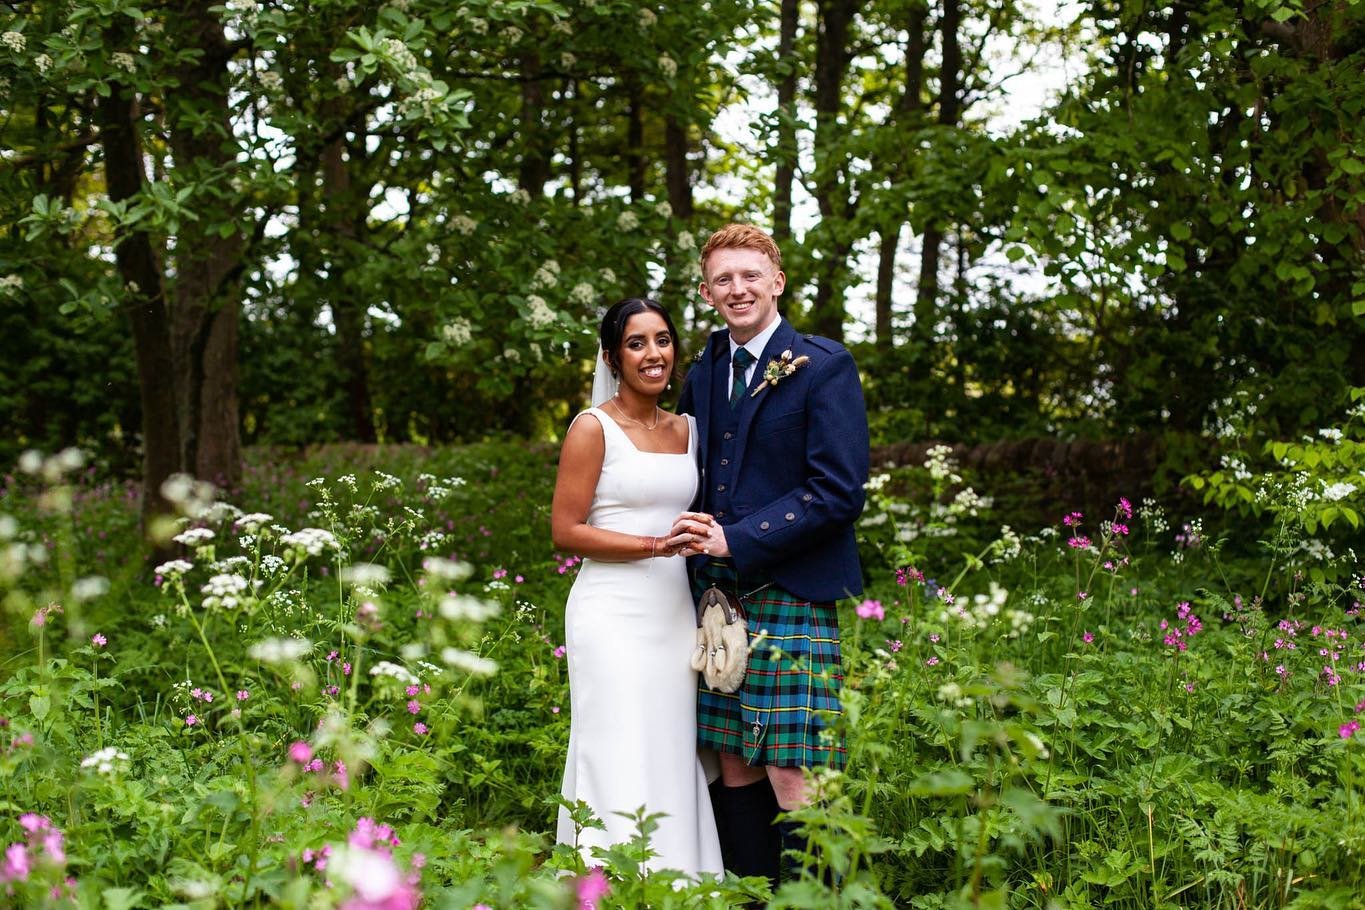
793 679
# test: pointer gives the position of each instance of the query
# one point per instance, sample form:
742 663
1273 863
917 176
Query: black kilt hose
794 675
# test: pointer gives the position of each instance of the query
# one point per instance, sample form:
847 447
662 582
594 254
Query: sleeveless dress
630 628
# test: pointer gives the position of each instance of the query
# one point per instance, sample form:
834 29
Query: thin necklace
647 426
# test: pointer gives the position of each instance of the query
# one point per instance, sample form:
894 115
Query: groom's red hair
741 236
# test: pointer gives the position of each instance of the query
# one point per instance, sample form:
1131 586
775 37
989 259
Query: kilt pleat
779 715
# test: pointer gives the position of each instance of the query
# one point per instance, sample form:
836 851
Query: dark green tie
741 362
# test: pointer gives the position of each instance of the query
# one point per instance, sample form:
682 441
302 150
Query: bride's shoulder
579 426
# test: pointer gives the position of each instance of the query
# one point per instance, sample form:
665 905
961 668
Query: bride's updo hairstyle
614 327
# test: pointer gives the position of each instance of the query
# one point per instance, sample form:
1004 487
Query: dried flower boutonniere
780 368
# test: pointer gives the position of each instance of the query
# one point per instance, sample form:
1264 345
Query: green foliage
1180 735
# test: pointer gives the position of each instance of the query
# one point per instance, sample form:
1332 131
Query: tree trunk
786 123
949 108
140 271
831 189
347 210
536 147
886 279
903 118
635 140
205 317
676 173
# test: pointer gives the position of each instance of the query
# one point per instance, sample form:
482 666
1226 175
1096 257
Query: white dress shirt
755 347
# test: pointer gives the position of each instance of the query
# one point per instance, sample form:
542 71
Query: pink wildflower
16 866
894 644
1088 636
243 694
591 888
559 652
300 752
1125 507
1348 729
1073 519
414 706
98 640
871 609
931 662
1078 542
191 720
419 728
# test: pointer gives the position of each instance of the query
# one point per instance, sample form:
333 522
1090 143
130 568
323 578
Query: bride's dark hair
614 326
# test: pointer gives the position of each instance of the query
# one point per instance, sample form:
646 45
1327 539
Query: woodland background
290 223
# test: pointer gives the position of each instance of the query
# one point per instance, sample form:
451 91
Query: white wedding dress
630 628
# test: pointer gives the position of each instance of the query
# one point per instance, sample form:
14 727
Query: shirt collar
756 344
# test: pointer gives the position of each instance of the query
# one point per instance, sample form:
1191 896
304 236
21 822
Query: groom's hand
714 544
689 533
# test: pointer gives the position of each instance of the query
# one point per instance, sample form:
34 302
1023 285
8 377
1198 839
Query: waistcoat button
720 488
763 526
729 435
791 516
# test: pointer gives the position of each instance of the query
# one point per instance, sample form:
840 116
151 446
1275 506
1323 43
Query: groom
784 455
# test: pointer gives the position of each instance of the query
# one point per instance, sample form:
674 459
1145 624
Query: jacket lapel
783 339
701 392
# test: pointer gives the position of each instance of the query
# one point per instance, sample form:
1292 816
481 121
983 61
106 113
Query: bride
626 471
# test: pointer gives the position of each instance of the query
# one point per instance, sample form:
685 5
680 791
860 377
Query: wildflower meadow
298 299
347 688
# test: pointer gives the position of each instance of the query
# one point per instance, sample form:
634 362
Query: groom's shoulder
824 346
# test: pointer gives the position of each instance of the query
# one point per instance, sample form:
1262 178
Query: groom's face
743 285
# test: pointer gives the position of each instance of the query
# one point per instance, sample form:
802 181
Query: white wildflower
8 527
567 61
89 587
607 276
664 209
252 522
224 591
105 761
464 224
941 465
511 355
31 461
271 81
627 221
511 34
14 41
876 482
669 67
648 18
393 671
446 569
463 607
11 283
123 61
469 662
42 63
279 650
520 197
687 241
311 541
478 26
365 574
194 537
1331 434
